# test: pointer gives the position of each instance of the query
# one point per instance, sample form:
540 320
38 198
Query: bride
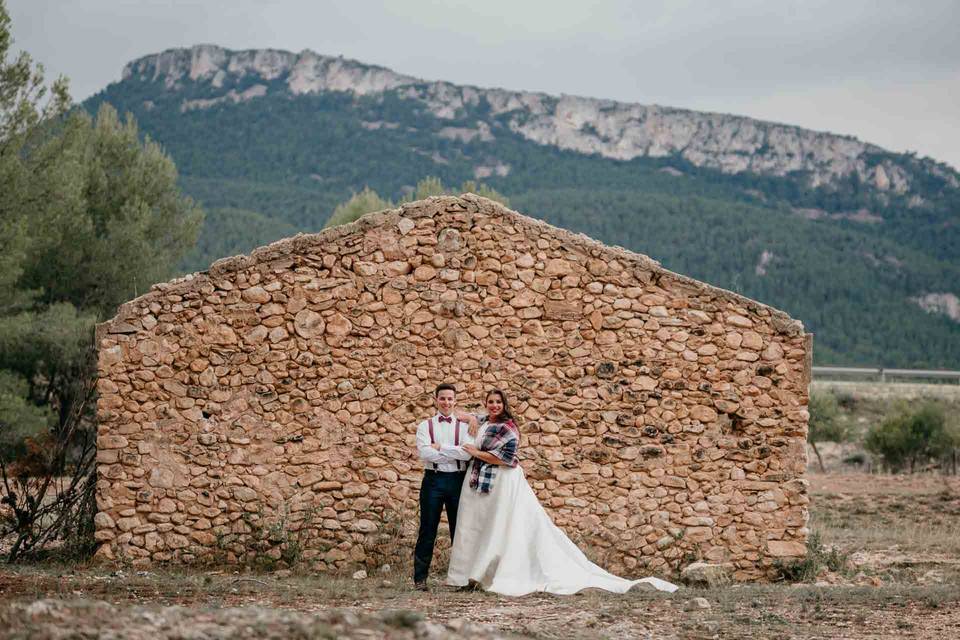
506 542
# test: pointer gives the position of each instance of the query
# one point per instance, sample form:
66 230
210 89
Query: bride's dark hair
505 412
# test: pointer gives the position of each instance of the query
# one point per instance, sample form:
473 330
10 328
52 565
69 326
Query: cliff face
622 131
305 72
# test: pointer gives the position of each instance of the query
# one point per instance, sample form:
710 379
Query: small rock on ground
697 604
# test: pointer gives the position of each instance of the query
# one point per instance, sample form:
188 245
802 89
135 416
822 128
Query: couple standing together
503 539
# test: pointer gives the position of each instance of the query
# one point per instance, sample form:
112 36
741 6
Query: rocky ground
887 566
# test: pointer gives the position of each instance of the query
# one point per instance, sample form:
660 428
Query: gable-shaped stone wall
268 407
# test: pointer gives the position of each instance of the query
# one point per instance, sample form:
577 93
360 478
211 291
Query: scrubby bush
818 558
359 204
912 438
846 400
859 458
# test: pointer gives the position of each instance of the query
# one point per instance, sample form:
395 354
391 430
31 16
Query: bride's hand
470 419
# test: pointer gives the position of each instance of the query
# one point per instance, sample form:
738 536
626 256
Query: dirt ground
888 566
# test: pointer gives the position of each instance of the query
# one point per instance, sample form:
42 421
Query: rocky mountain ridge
616 130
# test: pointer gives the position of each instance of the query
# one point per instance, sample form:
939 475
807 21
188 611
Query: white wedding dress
507 542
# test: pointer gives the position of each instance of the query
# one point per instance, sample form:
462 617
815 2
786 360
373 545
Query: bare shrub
50 502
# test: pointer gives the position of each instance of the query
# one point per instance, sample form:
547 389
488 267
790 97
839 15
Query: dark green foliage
230 232
19 418
115 220
293 159
302 206
90 216
50 348
98 218
29 110
912 437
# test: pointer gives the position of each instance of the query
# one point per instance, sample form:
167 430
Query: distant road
903 384
881 374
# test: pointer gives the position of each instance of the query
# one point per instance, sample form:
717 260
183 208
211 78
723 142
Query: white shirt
449 453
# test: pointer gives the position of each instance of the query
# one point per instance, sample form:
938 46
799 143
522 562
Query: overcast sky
886 71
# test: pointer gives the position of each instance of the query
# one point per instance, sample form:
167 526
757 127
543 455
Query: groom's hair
444 386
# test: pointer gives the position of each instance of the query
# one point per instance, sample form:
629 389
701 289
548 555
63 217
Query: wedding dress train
507 542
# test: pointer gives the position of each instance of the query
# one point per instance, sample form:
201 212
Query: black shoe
421 586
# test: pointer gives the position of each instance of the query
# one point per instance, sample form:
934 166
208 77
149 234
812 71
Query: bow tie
446 419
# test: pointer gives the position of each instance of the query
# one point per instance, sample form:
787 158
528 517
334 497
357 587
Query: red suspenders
430 427
456 437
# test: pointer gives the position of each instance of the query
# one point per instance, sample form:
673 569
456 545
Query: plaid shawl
500 439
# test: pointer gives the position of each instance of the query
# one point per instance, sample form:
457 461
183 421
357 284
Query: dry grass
918 516
909 537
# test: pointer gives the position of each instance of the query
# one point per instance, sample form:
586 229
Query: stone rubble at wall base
265 410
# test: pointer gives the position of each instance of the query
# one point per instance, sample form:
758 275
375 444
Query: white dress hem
508 544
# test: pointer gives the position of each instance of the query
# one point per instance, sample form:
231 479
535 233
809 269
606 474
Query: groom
440 441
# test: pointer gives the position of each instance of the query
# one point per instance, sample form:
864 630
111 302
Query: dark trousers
438 490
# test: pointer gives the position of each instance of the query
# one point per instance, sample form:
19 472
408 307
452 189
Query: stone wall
267 408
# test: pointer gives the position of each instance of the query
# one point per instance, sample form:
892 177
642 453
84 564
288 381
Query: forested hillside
848 254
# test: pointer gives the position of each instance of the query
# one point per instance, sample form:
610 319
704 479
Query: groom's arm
429 453
454 452
457 452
